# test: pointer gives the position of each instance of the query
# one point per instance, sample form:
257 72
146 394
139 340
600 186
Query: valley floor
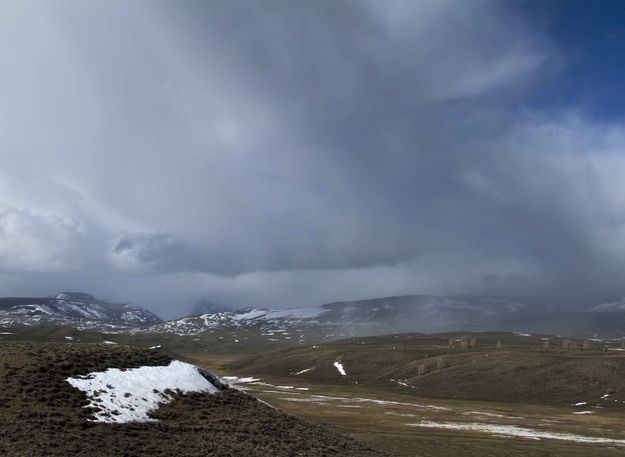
406 425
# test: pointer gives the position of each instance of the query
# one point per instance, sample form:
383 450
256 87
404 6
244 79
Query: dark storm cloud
290 152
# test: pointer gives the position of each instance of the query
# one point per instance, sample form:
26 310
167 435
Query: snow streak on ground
427 415
339 367
482 413
129 395
306 370
519 432
321 399
236 380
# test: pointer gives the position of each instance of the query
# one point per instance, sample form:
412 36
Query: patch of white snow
129 395
339 367
520 432
306 370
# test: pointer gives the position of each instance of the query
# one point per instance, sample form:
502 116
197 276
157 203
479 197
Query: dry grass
521 371
384 426
42 415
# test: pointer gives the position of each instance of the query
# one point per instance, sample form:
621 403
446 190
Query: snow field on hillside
129 395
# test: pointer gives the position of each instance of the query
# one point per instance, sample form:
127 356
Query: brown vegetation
42 415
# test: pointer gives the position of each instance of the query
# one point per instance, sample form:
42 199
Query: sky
287 153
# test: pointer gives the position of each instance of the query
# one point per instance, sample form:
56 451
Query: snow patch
129 395
482 413
306 370
520 432
231 380
291 387
339 367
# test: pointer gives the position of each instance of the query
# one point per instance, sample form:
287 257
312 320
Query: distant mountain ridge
360 317
77 309
415 313
617 305
377 316
207 307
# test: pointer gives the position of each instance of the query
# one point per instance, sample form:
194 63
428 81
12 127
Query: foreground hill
501 367
76 309
41 413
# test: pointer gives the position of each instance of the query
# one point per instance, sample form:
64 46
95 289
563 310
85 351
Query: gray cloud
296 152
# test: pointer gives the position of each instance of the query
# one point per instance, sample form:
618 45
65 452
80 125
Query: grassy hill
219 341
41 414
501 367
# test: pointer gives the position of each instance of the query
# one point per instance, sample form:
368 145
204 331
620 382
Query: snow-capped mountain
76 309
248 318
380 315
617 305
412 313
207 307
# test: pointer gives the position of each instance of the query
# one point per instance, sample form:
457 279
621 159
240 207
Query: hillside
517 369
42 414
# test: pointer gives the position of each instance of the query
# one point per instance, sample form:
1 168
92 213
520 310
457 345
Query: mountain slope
74 308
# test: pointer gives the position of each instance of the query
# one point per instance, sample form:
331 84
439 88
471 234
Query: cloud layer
296 152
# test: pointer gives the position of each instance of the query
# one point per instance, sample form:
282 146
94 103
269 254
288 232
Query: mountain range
411 313
417 313
77 309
